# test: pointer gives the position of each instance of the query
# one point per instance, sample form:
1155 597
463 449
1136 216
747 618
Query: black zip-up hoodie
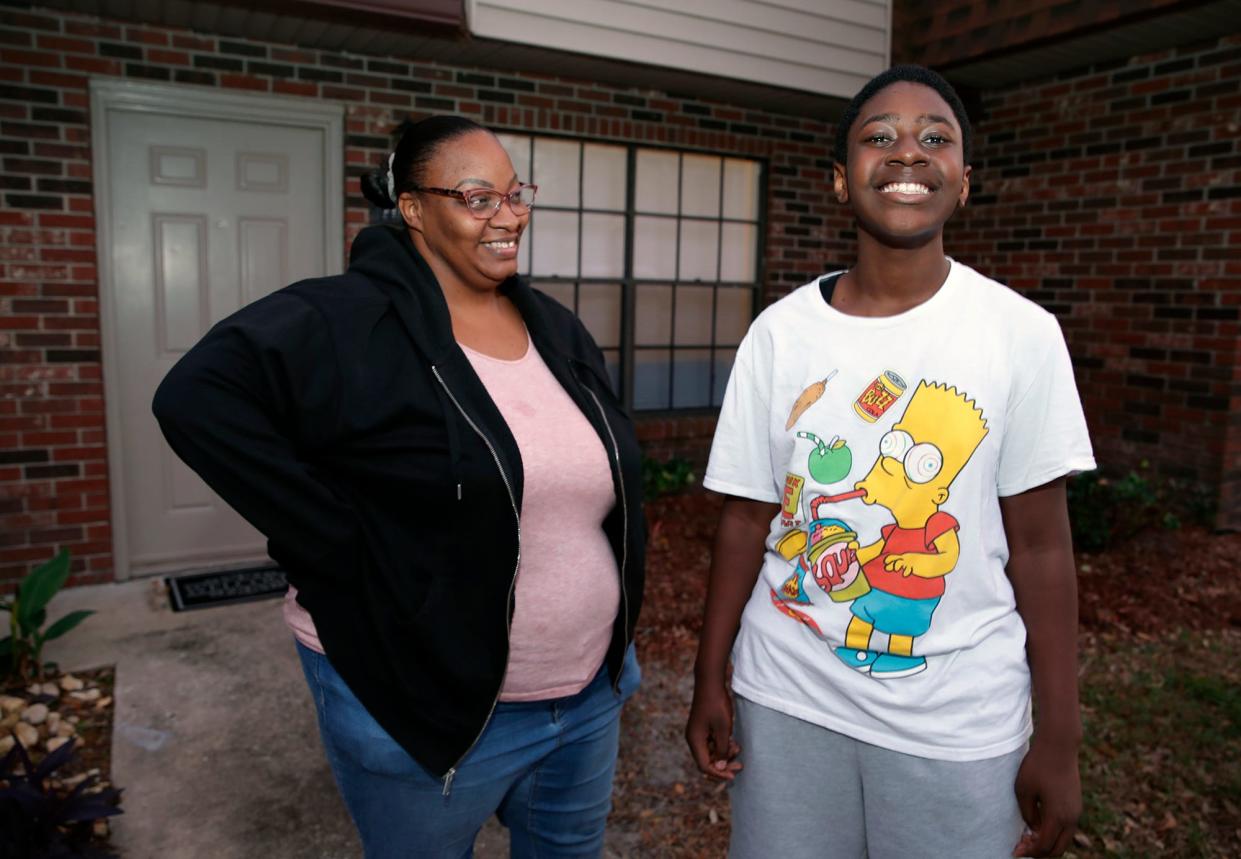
340 417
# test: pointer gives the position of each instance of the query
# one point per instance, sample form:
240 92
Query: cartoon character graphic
918 459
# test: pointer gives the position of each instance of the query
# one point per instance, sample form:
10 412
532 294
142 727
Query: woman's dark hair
418 145
883 80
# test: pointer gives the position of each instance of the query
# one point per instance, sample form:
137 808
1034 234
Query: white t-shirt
889 617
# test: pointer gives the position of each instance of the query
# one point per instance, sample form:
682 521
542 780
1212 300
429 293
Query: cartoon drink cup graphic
879 396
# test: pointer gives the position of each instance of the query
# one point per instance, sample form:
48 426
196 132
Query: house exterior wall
936 34
829 47
53 448
1112 196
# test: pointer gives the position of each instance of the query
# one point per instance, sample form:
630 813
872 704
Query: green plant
21 653
1108 506
41 818
664 478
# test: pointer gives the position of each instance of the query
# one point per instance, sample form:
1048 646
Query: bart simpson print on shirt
918 459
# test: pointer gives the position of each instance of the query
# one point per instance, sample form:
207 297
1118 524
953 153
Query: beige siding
828 47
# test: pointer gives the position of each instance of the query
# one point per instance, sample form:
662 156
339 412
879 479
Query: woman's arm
1044 581
736 559
231 407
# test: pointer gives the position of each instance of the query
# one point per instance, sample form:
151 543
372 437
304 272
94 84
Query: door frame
109 96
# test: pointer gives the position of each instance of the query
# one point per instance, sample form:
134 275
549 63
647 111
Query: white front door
204 214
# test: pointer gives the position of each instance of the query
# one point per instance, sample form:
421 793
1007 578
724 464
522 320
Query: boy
890 619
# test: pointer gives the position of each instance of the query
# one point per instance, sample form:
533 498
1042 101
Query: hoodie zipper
508 622
620 479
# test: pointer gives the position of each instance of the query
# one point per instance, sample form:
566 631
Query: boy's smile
906 173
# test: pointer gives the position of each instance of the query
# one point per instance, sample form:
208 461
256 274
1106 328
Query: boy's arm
1044 582
736 559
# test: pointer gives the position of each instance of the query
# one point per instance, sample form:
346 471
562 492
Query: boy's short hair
898 74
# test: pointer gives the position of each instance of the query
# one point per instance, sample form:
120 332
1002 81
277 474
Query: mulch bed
1150 610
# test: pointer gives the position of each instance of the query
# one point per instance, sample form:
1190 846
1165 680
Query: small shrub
1107 507
21 653
44 820
665 478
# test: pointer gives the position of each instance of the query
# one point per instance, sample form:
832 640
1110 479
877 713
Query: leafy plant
664 478
1107 507
42 820
21 653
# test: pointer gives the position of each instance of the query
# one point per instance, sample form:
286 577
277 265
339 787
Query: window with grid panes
655 250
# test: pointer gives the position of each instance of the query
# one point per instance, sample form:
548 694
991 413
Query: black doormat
225 587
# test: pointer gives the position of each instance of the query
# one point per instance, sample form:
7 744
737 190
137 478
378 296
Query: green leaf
38 588
66 623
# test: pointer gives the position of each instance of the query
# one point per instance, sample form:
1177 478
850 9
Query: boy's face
906 173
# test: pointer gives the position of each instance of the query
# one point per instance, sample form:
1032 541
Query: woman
434 452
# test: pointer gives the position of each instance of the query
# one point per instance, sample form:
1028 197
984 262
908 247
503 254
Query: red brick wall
1113 197
934 33
53 453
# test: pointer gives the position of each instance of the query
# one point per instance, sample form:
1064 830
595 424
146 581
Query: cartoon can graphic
879 396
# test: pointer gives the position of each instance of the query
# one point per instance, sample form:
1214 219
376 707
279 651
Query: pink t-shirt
568 588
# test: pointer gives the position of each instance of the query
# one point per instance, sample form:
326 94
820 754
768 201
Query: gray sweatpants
807 792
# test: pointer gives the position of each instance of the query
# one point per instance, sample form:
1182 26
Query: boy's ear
839 183
965 186
410 207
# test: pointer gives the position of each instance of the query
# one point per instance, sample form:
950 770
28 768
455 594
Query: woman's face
906 173
478 253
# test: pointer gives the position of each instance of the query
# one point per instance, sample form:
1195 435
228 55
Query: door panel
205 215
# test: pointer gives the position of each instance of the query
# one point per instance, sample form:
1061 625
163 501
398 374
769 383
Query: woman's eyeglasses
483 204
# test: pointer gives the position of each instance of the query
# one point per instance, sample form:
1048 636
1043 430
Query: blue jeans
543 767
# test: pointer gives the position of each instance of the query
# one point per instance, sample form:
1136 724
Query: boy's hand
710 732
1049 794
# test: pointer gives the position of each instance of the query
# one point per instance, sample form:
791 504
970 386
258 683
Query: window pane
700 185
741 180
603 185
653 315
699 248
603 245
554 247
556 171
732 315
656 186
737 259
599 307
693 322
650 379
654 247
723 366
518 148
562 292
691 378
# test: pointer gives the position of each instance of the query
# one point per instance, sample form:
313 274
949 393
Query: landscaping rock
27 735
6 743
65 729
70 683
51 689
87 695
35 714
53 722
54 743
10 704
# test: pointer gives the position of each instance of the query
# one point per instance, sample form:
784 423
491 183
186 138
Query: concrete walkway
215 742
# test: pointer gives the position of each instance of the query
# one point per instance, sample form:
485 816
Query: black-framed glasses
483 203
